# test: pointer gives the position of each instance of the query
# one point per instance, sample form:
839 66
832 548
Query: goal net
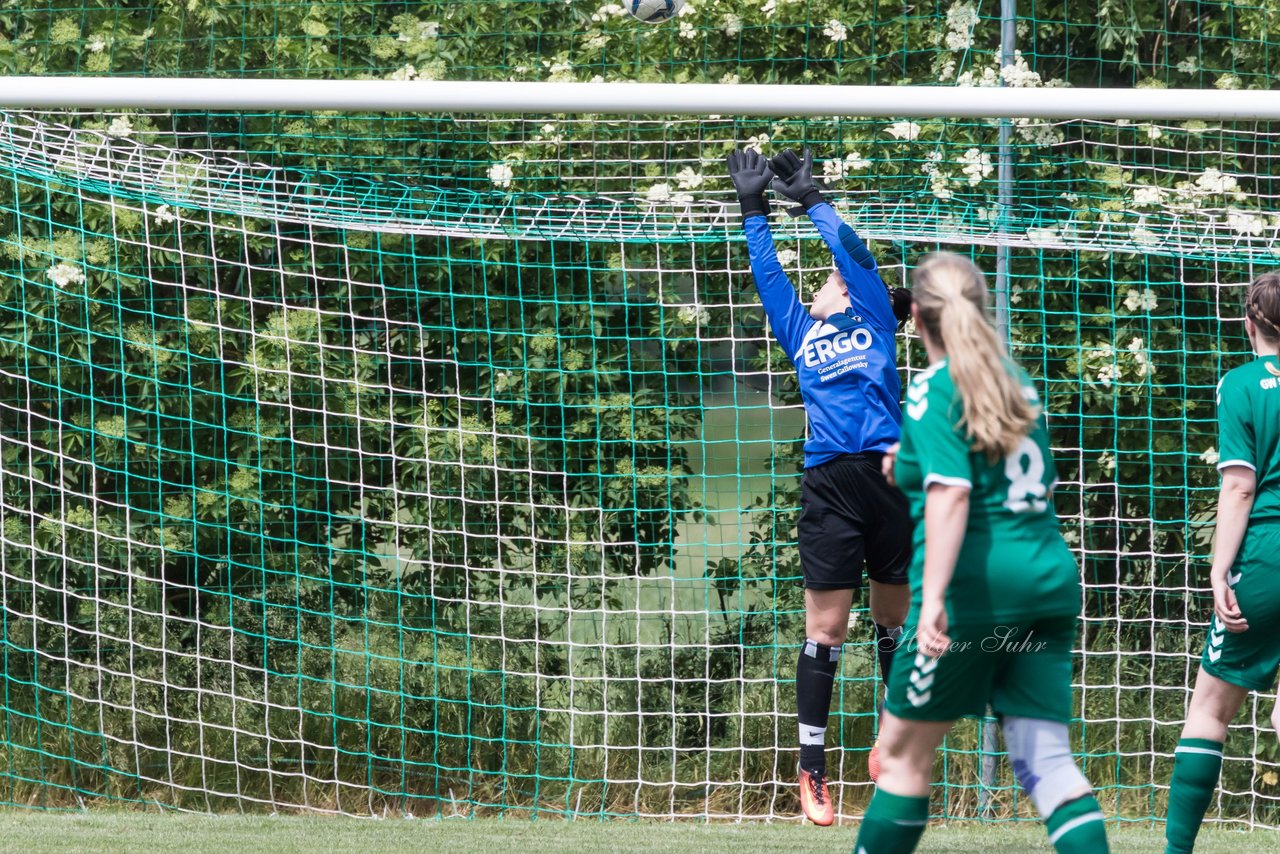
444 465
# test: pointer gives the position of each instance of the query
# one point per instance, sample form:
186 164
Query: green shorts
1251 658
1016 669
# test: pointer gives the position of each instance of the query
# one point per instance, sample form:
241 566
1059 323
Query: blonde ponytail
951 294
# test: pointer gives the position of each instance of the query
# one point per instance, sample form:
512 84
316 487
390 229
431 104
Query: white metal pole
1004 202
1004 208
634 98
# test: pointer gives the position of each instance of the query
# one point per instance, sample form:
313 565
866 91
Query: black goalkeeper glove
901 300
751 176
795 178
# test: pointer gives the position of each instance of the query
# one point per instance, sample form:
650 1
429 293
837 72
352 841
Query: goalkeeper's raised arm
853 260
844 351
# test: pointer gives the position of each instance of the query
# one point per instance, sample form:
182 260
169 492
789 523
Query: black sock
887 640
815 679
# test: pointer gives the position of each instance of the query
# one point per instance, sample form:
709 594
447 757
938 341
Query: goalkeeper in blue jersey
843 347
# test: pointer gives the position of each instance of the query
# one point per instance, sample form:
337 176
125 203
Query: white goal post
636 98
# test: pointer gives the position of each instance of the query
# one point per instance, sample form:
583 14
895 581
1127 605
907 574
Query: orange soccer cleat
815 800
873 762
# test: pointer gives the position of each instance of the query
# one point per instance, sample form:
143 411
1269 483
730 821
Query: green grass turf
31 833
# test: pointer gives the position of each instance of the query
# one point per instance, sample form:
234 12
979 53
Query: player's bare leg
889 604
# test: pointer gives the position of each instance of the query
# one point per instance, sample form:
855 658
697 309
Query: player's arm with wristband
788 317
794 179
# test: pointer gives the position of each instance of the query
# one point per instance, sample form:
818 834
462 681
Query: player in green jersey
1242 653
995 591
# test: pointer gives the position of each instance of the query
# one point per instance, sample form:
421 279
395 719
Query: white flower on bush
835 170
1210 456
1144 300
1019 73
421 32
164 216
1245 223
1227 81
938 180
989 76
687 30
1190 65
64 274
1153 131
1142 364
961 19
659 193
1142 236
1107 461
689 179
1102 362
97 45
501 174
1214 182
120 127
855 162
976 165
548 133
597 41
835 30
1042 235
1038 132
758 142
769 8
1147 196
732 24
693 314
787 256
611 10
405 72
903 130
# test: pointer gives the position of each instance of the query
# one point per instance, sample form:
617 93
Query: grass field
30 833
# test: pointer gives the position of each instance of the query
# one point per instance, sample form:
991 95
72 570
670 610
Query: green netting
443 464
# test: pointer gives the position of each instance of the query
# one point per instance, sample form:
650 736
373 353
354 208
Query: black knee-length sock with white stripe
815 680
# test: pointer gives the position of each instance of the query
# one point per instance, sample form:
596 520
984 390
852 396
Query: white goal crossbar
635 98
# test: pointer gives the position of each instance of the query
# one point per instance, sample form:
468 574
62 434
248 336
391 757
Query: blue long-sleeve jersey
847 365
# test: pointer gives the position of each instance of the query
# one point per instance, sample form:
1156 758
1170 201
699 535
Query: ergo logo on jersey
825 349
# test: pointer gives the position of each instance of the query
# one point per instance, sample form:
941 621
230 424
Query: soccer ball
654 11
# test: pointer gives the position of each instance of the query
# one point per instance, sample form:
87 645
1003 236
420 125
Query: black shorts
850 517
